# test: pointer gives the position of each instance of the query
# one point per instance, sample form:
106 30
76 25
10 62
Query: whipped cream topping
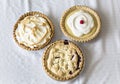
33 31
80 23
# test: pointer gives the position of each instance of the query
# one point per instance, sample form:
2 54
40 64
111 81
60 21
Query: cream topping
80 23
33 31
63 59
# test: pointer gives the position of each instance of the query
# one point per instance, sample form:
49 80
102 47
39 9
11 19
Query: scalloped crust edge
55 76
21 18
80 7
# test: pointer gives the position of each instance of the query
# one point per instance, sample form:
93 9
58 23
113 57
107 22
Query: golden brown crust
86 39
29 14
54 76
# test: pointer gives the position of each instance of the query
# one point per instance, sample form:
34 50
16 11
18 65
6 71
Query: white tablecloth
102 55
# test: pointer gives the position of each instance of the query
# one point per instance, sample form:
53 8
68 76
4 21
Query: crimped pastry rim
28 14
55 76
64 15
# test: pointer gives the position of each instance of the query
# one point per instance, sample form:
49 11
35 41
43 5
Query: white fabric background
102 55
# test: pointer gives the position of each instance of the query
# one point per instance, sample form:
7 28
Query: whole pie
63 60
33 31
80 23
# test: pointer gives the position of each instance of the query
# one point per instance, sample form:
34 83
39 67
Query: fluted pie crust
63 60
32 14
86 37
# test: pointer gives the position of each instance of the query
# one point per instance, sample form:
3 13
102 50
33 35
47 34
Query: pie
33 31
63 60
80 23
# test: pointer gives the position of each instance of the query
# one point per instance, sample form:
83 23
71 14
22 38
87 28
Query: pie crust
63 60
32 14
86 37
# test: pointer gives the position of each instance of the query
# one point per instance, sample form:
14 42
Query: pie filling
33 31
63 59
